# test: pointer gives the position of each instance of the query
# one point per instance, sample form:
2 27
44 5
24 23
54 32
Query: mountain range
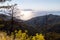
39 23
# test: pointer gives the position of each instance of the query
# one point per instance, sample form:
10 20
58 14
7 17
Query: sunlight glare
26 15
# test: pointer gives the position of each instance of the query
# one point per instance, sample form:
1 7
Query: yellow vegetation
20 36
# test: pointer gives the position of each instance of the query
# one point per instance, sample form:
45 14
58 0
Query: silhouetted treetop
4 0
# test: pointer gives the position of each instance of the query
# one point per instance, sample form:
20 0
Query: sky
37 4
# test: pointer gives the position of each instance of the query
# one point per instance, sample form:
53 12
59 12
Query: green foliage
52 36
1 24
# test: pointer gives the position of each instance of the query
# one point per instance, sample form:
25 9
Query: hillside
49 25
47 20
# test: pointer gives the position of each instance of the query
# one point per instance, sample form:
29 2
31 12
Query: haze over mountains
29 13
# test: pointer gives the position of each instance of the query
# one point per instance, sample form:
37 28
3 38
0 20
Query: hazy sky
38 4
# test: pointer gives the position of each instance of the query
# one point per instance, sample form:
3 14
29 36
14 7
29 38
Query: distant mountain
5 17
46 22
50 19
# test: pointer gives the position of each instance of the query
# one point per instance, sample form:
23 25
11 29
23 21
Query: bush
19 35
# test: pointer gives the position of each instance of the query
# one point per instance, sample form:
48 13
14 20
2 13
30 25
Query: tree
4 0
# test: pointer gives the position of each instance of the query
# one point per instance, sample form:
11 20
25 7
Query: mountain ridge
46 23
